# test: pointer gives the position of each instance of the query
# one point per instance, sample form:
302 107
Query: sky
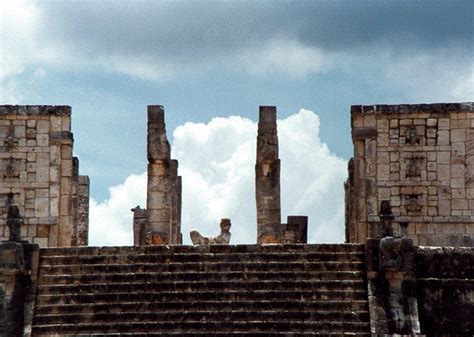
211 64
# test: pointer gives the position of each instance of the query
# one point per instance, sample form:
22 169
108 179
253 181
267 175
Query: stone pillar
83 211
139 226
391 280
175 229
296 229
267 179
163 199
18 259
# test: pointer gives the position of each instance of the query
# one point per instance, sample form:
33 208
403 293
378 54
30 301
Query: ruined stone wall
445 290
36 165
421 158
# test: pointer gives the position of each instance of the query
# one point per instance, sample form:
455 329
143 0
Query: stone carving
14 219
164 185
412 205
222 239
386 218
10 170
10 141
412 137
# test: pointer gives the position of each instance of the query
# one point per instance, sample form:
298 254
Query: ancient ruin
419 158
222 239
38 168
267 178
406 269
160 222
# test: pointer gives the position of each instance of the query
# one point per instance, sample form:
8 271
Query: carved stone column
163 194
267 179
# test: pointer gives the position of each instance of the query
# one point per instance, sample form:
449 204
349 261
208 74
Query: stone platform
244 290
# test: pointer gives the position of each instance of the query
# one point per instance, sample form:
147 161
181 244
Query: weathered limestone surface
36 165
445 290
296 229
420 158
164 185
18 279
139 226
267 179
223 238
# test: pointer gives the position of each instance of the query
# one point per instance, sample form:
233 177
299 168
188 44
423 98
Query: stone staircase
244 290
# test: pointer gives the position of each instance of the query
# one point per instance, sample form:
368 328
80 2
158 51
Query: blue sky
202 60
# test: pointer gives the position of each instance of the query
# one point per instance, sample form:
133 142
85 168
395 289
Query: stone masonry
267 178
419 158
37 166
160 223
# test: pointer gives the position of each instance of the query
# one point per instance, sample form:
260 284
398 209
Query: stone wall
421 159
445 290
37 166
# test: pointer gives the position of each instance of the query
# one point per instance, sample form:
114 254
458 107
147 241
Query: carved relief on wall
411 204
11 169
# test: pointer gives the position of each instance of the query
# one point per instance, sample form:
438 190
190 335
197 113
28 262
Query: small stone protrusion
14 219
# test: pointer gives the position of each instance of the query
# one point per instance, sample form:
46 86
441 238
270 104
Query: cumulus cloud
217 165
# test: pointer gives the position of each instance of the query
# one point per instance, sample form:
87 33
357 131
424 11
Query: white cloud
444 76
111 220
217 165
287 57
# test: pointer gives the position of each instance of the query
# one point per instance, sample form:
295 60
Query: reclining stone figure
222 239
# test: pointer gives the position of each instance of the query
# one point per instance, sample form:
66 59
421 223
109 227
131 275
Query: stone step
192 296
48 279
183 249
248 290
200 267
217 286
204 315
170 306
233 333
210 327
204 257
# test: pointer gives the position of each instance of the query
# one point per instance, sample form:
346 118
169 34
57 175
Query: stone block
458 149
458 193
42 174
443 157
383 172
443 138
444 207
370 121
458 135
42 242
42 126
444 124
470 193
56 123
42 139
66 168
42 207
457 171
457 183
444 173
459 204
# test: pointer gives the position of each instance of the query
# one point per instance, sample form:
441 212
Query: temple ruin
406 267
37 166
420 159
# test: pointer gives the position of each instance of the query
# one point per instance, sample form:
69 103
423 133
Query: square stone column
267 179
